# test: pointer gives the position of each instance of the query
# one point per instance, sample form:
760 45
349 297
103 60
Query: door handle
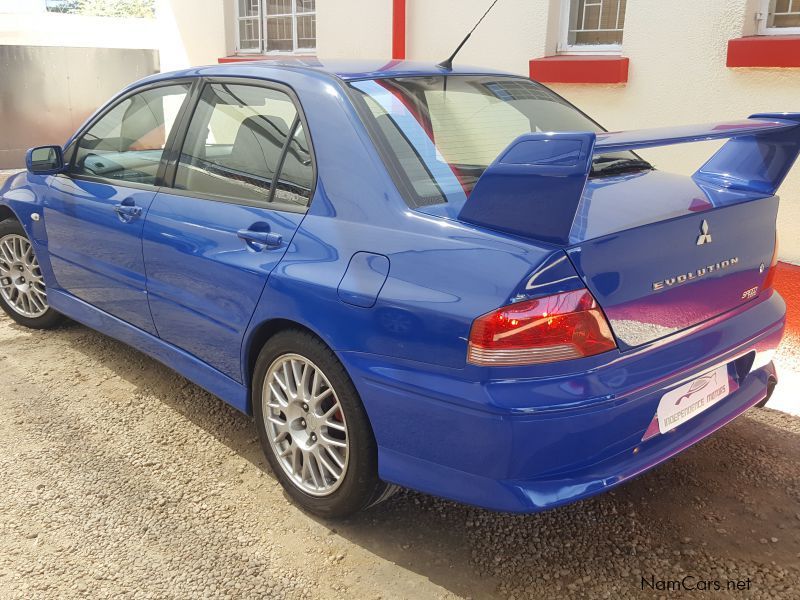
127 211
261 238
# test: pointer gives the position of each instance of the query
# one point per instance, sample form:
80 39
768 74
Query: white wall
193 32
54 29
354 28
512 34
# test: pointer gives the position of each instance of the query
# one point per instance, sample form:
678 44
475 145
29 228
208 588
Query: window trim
565 48
171 168
71 150
762 18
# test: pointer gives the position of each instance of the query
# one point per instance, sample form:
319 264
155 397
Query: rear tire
313 428
23 296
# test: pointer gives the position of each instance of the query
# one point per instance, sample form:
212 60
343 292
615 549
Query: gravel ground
121 479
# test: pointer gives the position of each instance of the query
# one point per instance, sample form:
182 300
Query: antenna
447 64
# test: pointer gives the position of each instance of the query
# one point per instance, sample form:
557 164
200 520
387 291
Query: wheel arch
258 337
6 213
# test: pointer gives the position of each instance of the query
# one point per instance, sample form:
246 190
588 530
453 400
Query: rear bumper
527 444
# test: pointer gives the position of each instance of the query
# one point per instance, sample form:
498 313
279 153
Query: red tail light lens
554 328
769 280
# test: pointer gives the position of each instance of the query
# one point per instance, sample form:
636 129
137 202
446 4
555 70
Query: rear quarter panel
442 274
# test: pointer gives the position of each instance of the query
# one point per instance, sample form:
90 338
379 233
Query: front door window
127 143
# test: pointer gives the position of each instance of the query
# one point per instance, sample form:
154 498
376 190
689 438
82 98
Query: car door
240 187
94 213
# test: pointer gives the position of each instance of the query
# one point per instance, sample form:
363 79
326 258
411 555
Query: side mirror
45 160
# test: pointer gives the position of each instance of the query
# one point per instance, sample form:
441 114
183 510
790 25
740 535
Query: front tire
313 428
23 296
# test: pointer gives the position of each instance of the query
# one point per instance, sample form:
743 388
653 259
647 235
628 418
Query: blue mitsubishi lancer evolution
451 280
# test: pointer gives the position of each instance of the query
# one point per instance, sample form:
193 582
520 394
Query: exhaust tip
771 383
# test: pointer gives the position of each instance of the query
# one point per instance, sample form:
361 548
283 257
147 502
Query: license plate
690 399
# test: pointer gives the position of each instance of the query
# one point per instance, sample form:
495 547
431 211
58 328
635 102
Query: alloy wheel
305 425
21 281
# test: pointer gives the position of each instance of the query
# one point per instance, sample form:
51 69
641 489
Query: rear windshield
439 134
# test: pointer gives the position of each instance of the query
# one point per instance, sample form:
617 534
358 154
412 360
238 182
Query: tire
307 453
23 296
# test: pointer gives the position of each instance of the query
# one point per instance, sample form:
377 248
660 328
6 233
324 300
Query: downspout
398 29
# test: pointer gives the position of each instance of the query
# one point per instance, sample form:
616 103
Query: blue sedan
446 279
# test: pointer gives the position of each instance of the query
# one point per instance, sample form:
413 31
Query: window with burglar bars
276 26
782 17
593 25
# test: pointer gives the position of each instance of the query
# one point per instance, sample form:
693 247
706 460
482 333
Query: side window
411 162
295 181
127 143
246 142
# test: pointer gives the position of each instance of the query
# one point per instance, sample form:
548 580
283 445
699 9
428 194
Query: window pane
279 34
235 141
304 6
781 6
307 32
279 7
408 157
249 34
784 13
594 22
296 178
249 8
127 143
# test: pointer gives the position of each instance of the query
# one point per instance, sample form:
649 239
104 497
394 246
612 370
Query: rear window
246 143
439 134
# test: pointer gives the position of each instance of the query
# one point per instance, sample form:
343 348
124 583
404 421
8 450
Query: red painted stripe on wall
399 29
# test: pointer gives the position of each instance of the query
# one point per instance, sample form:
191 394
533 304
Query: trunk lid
660 254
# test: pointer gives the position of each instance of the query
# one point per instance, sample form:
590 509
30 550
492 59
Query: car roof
347 70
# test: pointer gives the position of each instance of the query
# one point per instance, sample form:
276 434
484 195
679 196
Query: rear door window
246 143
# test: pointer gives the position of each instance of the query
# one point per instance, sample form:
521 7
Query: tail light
559 327
769 280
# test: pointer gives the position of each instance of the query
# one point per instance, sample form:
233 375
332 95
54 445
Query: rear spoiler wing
533 188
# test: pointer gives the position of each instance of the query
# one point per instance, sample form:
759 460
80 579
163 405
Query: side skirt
219 384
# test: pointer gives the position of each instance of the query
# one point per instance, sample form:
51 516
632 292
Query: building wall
194 32
354 28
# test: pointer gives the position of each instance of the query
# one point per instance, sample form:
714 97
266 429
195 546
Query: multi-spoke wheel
305 424
22 291
313 427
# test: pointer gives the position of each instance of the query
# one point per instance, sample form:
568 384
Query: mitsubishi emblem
705 236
